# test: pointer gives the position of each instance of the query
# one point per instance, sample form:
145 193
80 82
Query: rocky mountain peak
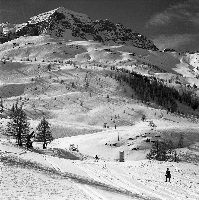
68 24
63 13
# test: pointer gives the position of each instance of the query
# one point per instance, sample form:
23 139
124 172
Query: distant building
169 50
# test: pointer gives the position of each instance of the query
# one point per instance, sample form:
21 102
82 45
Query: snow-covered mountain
68 24
84 88
193 59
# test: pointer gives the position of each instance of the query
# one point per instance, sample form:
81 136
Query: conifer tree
1 105
18 127
181 141
44 133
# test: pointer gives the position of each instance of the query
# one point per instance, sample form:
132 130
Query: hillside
83 87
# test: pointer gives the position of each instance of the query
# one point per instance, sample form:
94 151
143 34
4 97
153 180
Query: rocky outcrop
59 21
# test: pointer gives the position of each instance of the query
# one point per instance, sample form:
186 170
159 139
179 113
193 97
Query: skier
168 175
96 158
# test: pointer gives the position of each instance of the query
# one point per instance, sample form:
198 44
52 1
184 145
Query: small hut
121 156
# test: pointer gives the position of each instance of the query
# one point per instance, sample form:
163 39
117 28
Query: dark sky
170 23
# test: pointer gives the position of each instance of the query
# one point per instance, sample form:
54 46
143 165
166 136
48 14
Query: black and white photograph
99 99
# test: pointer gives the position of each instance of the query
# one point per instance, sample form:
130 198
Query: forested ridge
151 89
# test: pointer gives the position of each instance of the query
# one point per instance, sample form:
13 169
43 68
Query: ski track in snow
113 178
13 158
96 182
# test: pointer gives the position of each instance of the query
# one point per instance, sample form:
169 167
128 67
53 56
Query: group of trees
19 128
162 151
151 89
165 150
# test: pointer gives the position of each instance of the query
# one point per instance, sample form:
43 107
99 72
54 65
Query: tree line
151 89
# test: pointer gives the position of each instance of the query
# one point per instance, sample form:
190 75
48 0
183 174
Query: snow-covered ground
28 175
78 113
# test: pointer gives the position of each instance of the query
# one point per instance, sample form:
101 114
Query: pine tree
18 127
181 141
1 105
13 108
44 133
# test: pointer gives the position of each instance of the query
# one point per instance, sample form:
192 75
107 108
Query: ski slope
36 176
77 115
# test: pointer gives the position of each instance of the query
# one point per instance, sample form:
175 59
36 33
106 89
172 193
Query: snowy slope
52 177
193 59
